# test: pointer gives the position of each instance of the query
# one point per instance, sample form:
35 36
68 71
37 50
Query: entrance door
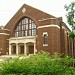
31 49
13 49
21 49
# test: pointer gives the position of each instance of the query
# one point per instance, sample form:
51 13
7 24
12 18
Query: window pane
26 26
18 28
26 33
23 29
29 26
19 23
23 33
30 21
34 32
29 32
33 26
26 20
45 38
23 21
16 34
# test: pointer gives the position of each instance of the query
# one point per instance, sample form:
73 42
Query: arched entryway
30 48
21 48
13 49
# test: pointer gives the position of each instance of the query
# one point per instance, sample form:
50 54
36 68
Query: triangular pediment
27 11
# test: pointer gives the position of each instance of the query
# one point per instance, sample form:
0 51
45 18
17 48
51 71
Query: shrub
39 64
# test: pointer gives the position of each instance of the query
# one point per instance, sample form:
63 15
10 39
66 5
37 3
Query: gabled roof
38 12
31 12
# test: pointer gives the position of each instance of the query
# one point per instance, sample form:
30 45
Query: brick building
31 30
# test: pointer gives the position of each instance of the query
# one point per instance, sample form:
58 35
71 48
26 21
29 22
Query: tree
72 36
70 15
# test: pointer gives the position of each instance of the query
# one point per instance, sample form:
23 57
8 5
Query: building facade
30 30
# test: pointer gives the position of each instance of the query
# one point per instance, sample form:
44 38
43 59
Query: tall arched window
26 27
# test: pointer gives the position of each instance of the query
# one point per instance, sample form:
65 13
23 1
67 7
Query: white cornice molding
43 19
4 34
48 26
5 29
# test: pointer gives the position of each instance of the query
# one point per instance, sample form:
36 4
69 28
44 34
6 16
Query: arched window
26 27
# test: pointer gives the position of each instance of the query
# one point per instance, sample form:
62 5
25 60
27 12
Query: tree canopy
70 14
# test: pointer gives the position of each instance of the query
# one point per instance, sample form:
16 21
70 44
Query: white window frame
45 33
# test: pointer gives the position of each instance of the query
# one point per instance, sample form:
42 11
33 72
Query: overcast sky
54 7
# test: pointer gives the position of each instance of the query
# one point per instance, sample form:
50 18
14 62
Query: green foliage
39 64
72 35
70 9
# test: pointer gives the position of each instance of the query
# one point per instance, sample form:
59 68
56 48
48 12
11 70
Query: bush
39 64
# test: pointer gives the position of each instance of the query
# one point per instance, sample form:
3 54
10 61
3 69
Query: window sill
45 44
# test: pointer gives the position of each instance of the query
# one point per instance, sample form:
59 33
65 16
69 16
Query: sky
8 8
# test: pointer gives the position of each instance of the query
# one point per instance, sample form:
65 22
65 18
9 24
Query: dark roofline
40 10
66 26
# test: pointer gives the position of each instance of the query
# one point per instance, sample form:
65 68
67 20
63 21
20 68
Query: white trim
25 37
47 19
22 40
24 10
4 34
65 31
48 26
6 29
45 33
45 44
63 27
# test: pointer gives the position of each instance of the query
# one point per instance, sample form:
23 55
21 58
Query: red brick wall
57 39
30 12
53 39
4 42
